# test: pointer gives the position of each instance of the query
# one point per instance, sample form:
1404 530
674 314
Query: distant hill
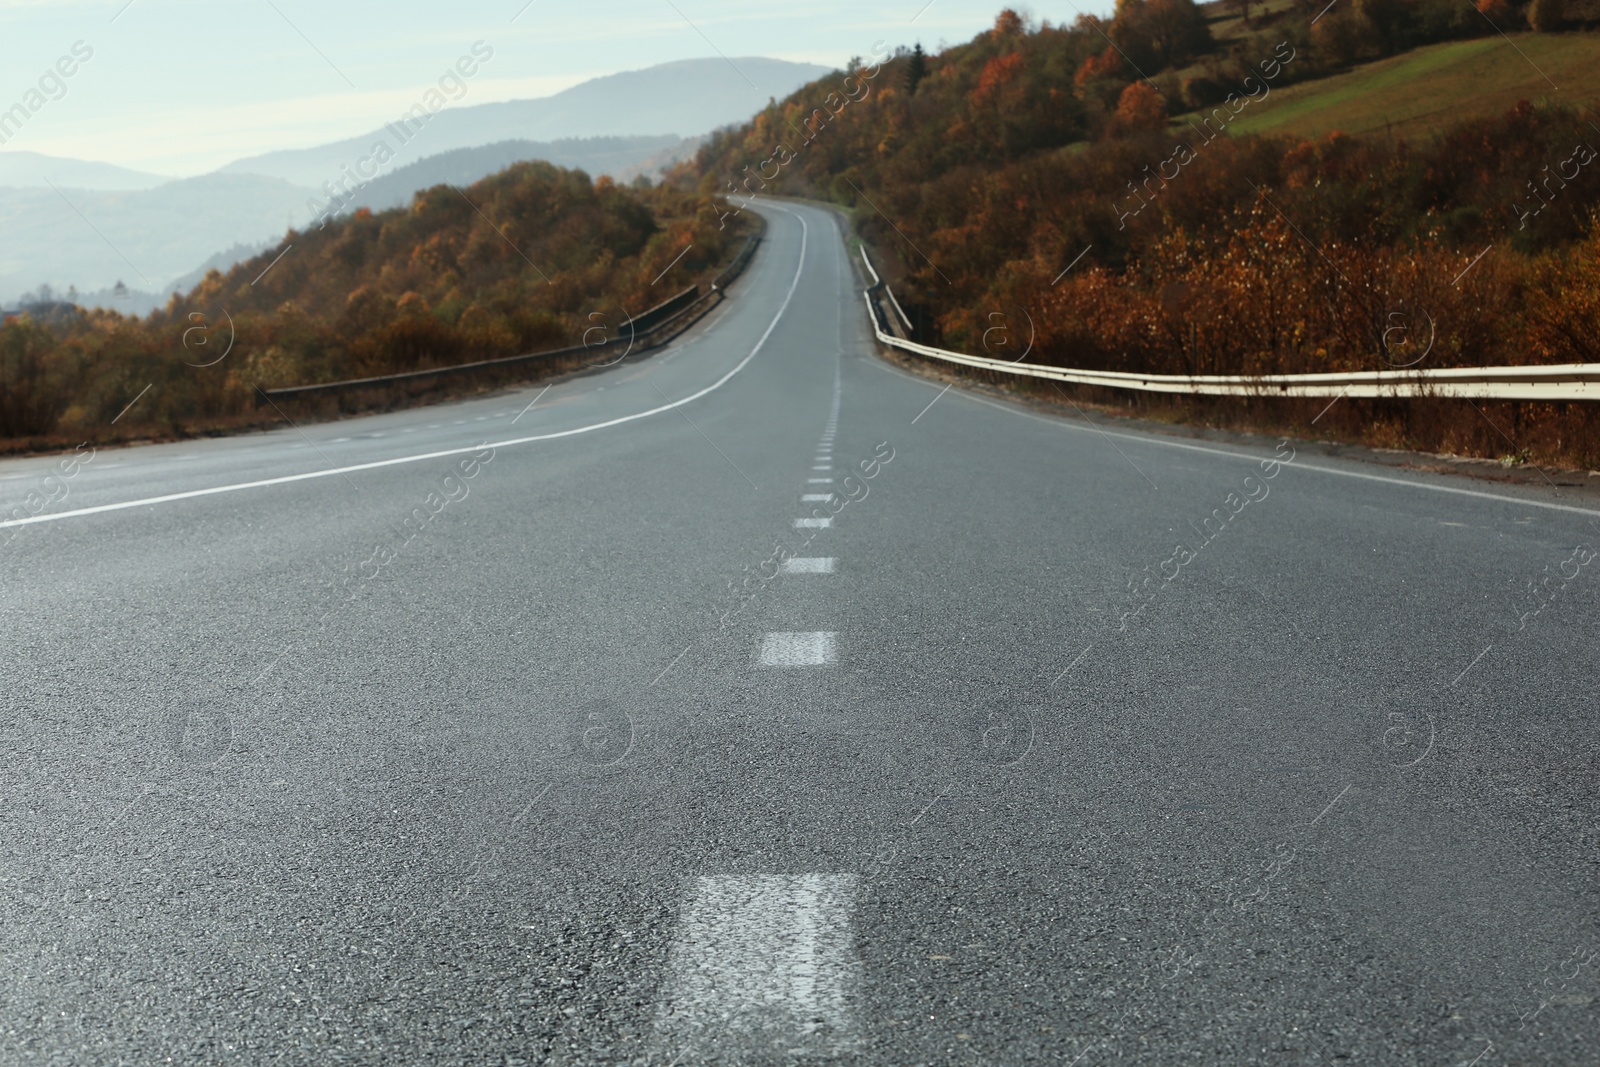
595 155
220 196
81 236
685 98
623 125
18 168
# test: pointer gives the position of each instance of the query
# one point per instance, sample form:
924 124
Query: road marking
812 524
810 481
798 649
816 496
808 565
761 964
823 467
443 453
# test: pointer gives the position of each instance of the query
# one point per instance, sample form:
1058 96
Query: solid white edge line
306 476
1295 464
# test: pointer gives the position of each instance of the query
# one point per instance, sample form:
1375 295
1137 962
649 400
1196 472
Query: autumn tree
1140 107
27 403
1497 11
1337 39
1157 34
1389 21
1547 16
1009 24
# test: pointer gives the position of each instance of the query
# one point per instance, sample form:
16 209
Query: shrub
1203 91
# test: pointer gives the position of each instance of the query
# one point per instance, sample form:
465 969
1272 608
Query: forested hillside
1088 175
515 263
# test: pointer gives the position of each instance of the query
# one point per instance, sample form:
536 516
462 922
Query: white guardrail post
1556 382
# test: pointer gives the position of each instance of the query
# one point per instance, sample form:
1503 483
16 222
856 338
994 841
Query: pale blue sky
182 86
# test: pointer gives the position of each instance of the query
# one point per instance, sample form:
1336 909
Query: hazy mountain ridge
19 168
686 98
144 238
463 166
155 230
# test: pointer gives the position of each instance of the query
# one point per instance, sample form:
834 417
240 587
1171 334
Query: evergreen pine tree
916 69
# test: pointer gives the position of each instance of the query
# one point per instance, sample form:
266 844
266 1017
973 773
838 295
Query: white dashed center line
798 649
808 565
762 963
819 481
816 496
812 524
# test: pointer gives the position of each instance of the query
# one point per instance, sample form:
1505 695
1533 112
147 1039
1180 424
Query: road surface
758 702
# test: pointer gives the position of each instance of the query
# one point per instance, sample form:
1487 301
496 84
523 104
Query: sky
181 87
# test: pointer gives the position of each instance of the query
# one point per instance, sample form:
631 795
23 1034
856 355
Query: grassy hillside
1420 93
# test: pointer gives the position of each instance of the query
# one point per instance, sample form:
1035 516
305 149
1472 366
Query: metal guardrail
740 261
646 321
651 329
1556 382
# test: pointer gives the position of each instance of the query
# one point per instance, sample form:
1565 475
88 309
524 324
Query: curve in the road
330 472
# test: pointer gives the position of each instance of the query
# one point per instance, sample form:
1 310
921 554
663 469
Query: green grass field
1415 95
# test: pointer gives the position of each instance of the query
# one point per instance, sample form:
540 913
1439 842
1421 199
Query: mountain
686 98
19 168
596 155
144 238
622 124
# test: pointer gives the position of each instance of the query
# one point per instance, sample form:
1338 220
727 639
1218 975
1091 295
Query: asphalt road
1056 744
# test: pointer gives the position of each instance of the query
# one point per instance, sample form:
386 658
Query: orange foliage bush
1140 107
